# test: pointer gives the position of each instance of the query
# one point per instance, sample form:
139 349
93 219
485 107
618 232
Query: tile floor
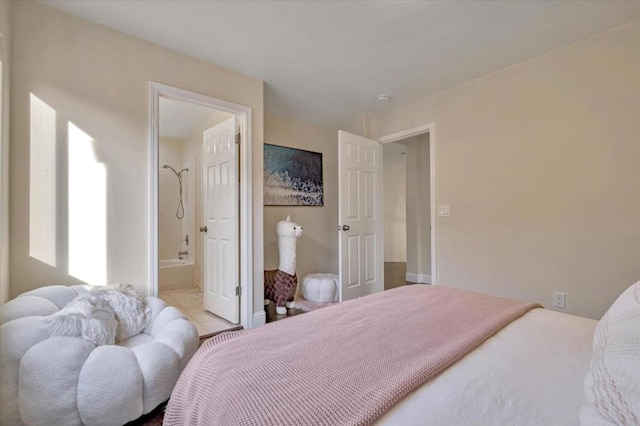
189 301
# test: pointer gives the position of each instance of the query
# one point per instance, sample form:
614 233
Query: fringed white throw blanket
104 316
342 365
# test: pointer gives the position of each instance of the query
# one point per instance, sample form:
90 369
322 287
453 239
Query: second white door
360 216
221 291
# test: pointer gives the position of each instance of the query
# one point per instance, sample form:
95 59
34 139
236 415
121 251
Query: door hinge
238 291
237 138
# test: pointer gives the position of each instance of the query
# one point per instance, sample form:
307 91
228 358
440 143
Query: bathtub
175 274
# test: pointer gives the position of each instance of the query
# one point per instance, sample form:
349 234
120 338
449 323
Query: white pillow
132 313
84 317
612 385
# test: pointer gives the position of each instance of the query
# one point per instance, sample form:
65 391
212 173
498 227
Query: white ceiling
326 61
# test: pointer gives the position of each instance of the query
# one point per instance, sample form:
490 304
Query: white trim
259 318
5 54
414 131
404 134
154 98
418 278
432 169
247 318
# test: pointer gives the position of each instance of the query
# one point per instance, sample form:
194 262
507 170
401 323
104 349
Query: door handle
345 227
203 229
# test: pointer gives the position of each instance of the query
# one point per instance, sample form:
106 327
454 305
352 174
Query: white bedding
530 373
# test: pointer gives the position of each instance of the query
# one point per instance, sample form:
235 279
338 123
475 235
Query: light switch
443 210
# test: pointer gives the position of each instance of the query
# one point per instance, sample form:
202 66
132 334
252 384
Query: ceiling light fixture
383 98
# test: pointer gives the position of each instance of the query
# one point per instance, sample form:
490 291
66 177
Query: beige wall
418 209
394 186
5 31
423 196
359 125
317 249
540 165
99 80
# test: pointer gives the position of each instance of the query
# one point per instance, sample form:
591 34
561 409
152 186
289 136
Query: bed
420 355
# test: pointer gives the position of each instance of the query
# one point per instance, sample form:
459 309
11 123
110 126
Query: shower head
166 166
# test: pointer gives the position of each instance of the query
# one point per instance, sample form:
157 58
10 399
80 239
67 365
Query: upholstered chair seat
67 380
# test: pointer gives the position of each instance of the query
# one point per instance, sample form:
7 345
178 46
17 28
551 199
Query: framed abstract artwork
292 177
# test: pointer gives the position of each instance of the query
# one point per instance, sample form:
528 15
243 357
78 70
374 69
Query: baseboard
258 319
418 278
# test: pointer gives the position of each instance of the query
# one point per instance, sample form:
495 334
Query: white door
220 216
360 216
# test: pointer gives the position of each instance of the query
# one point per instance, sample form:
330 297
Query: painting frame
292 177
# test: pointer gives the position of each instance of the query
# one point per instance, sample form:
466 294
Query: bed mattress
530 373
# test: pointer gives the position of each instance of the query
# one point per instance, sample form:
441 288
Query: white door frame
246 178
414 131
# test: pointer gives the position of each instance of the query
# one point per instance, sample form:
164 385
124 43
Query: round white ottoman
64 380
321 288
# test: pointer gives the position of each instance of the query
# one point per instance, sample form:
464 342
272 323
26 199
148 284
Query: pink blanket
342 365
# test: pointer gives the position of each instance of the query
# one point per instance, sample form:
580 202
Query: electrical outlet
559 299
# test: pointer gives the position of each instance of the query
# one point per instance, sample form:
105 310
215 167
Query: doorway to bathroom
198 229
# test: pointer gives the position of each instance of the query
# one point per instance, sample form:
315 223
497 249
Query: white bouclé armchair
51 379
